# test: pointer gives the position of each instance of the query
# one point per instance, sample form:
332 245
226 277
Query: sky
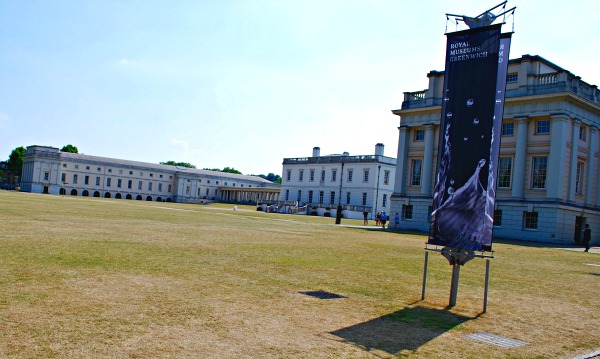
243 84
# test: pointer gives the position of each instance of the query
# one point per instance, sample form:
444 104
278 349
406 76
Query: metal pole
425 275
454 285
487 280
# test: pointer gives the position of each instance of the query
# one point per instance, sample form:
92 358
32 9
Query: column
574 152
427 161
591 170
518 180
555 177
401 160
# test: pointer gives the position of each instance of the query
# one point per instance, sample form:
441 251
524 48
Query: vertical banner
470 126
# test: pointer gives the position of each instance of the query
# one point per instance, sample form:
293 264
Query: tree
15 161
179 164
226 169
271 177
69 148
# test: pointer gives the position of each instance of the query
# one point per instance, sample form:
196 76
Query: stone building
548 170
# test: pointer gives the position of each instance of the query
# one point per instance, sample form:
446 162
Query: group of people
381 218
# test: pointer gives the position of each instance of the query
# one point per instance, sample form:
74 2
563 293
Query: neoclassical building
357 182
548 172
48 170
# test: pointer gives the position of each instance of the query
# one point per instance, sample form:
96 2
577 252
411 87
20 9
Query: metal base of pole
487 281
454 285
425 275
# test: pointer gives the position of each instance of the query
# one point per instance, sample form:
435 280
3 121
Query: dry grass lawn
99 278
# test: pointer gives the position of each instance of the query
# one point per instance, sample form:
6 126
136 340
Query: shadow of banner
406 329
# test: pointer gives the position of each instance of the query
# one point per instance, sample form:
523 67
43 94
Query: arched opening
107 195
85 193
138 198
168 200
73 192
149 198
96 194
158 199
63 191
118 196
128 197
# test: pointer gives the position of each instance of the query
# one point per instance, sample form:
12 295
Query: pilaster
401 161
518 184
573 164
555 177
427 160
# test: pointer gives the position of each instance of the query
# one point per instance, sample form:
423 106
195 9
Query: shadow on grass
406 329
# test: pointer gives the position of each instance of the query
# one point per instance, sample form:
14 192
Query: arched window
168 200
149 198
128 197
96 194
73 192
159 199
138 198
85 193
107 195
118 196
63 191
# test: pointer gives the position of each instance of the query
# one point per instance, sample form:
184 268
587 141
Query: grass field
95 278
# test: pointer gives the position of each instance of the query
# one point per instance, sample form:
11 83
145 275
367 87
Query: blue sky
242 84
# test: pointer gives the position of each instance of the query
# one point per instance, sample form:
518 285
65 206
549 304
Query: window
310 196
542 127
151 174
287 194
364 199
98 169
365 175
119 183
46 176
289 175
160 176
131 172
87 168
160 188
74 179
140 186
419 135
86 180
530 220
108 180
312 176
386 177
207 192
582 133
415 176
129 184
64 165
110 170
97 181
301 176
299 195
187 190
149 186
63 177
323 176
120 172
347 197
332 197
538 176
508 129
76 167
350 172
407 212
579 177
169 188
504 172
321 195
514 77
384 201
333 175
497 218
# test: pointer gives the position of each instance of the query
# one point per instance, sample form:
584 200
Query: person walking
366 218
382 219
587 237
396 221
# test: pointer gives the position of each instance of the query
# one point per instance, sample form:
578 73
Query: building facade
48 170
358 183
548 170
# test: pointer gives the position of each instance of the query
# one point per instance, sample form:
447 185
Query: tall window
310 196
287 194
288 175
384 201
321 195
149 186
323 176
160 188
497 218
582 133
119 182
538 176
542 127
364 199
140 186
350 175
365 175
347 197
508 129
97 181
301 176
332 197
386 177
419 135
407 211
579 177
415 176
129 184
333 175
530 220
74 179
504 172
299 195
63 177
108 181
86 180
312 176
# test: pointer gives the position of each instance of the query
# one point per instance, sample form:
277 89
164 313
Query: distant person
366 218
587 237
396 221
382 219
377 218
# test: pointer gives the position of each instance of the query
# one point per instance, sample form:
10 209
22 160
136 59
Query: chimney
379 149
346 154
316 152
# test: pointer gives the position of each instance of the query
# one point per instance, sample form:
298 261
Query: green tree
69 148
179 164
271 177
226 169
15 161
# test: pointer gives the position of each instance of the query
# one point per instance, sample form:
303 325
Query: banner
470 126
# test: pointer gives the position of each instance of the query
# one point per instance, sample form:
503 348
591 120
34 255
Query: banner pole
454 285
425 275
487 280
